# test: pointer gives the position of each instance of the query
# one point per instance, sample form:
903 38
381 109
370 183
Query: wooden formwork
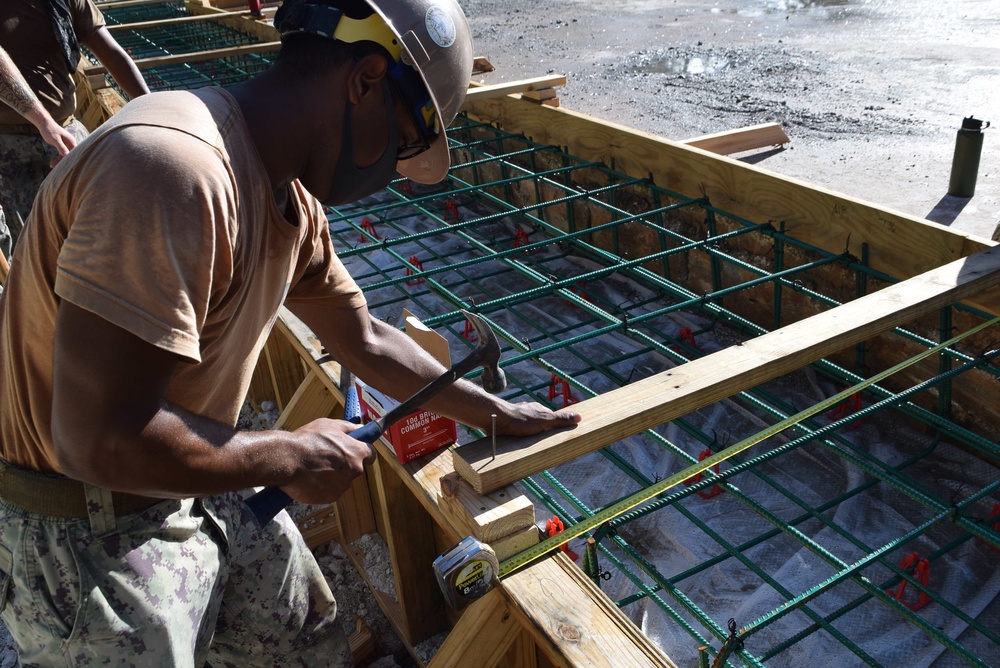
549 613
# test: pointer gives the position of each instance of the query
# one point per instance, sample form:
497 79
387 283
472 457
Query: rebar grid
594 279
434 250
175 39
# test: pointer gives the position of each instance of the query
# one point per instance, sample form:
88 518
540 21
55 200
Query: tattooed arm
14 91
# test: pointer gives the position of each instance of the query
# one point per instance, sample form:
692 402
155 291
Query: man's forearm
393 363
177 454
15 92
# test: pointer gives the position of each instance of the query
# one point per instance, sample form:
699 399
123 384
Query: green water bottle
965 164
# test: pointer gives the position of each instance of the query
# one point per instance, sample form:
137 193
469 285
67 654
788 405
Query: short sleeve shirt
27 36
163 223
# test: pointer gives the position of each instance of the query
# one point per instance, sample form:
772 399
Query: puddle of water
757 9
668 64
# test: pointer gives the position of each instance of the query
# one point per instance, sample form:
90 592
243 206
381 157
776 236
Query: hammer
268 502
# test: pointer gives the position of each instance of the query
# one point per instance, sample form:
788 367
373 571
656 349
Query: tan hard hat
430 36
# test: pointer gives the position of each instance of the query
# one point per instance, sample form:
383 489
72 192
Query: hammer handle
270 501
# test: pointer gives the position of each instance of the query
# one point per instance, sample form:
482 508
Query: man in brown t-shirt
150 272
39 49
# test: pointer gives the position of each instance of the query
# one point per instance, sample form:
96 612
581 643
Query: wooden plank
210 54
286 369
522 652
482 65
899 245
4 269
194 18
652 401
361 641
261 388
490 517
355 514
740 139
114 4
385 602
540 94
319 527
501 89
572 622
310 401
410 537
513 543
481 637
261 29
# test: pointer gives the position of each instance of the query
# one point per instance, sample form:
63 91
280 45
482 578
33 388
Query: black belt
56 495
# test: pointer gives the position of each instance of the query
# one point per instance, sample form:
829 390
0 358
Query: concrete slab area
871 92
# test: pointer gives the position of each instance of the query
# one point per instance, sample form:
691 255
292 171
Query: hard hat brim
432 165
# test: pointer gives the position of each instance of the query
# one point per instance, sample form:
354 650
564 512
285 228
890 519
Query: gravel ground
869 91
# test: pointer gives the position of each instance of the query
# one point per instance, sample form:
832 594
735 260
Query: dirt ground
870 92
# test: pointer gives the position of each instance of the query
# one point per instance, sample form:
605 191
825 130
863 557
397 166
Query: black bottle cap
971 123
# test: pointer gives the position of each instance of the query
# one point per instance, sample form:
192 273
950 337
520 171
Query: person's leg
148 588
278 608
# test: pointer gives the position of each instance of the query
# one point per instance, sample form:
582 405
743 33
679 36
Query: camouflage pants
181 583
24 164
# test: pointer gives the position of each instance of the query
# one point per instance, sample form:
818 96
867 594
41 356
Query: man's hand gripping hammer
267 503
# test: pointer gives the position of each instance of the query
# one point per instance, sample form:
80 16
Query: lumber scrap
898 244
482 92
361 641
649 402
740 139
482 65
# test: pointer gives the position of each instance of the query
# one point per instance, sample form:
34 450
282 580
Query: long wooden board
194 18
671 394
898 244
211 54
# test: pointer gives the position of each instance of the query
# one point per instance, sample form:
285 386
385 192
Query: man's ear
365 76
